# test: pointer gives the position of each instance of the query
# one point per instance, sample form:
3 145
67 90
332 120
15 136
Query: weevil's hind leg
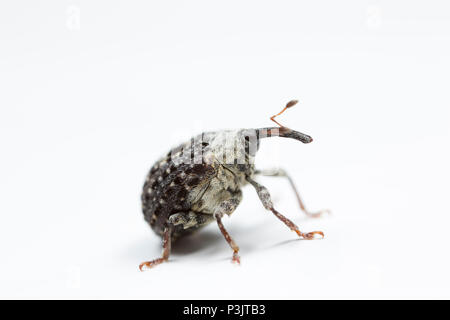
166 251
227 207
264 196
282 173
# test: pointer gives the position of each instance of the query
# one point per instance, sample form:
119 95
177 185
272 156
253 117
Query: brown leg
165 254
227 207
230 241
282 173
264 195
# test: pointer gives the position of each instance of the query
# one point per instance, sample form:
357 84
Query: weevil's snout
283 132
289 133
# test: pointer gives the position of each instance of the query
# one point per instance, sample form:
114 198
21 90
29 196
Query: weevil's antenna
281 131
288 105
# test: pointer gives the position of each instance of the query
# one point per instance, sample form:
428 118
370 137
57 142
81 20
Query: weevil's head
237 149
253 136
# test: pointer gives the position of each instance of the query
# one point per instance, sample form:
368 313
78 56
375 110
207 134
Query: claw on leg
236 259
309 235
150 264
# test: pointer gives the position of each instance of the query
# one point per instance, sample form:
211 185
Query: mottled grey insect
201 180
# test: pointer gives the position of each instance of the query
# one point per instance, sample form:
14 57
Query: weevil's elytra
200 181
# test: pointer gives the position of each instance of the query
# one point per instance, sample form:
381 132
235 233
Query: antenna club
288 105
291 103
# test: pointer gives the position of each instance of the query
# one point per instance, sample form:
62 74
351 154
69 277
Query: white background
92 93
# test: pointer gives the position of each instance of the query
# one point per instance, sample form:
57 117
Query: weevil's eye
251 142
251 146
242 167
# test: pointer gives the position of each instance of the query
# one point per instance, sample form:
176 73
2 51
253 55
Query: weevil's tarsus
266 200
310 235
166 251
288 105
282 173
293 226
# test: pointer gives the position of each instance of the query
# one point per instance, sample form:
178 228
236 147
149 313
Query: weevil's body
191 181
201 180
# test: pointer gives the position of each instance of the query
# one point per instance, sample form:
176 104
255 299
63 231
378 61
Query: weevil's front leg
264 195
282 173
166 251
227 207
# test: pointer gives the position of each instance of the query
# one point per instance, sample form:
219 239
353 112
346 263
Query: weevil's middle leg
165 254
230 241
227 207
264 196
282 173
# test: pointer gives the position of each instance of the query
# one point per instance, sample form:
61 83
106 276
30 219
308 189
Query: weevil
200 181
